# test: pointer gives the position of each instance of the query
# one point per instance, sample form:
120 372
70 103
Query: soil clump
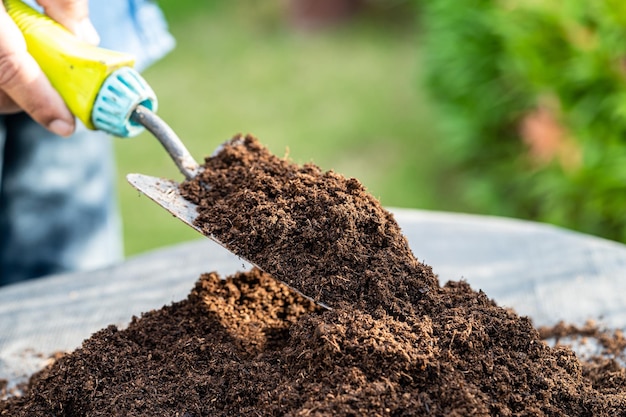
394 343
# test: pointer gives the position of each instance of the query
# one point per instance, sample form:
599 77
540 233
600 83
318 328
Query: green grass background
347 99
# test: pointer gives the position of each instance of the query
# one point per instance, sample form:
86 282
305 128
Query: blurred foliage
514 78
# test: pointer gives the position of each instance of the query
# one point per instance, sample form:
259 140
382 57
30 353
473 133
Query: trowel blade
165 193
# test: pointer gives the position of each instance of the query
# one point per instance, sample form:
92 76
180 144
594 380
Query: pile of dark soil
395 342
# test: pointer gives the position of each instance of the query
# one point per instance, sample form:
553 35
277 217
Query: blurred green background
345 97
532 98
505 107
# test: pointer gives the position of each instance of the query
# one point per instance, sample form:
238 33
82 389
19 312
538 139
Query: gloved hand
23 86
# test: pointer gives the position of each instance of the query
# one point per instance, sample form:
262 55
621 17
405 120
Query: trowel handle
76 69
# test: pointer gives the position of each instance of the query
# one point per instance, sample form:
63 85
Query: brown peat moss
395 343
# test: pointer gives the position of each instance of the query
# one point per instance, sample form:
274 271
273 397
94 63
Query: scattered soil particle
611 342
395 343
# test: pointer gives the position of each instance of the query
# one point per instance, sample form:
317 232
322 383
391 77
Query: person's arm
23 86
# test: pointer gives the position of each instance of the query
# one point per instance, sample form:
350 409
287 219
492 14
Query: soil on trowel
395 343
319 232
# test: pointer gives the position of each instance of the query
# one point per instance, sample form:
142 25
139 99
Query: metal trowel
104 91
166 193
